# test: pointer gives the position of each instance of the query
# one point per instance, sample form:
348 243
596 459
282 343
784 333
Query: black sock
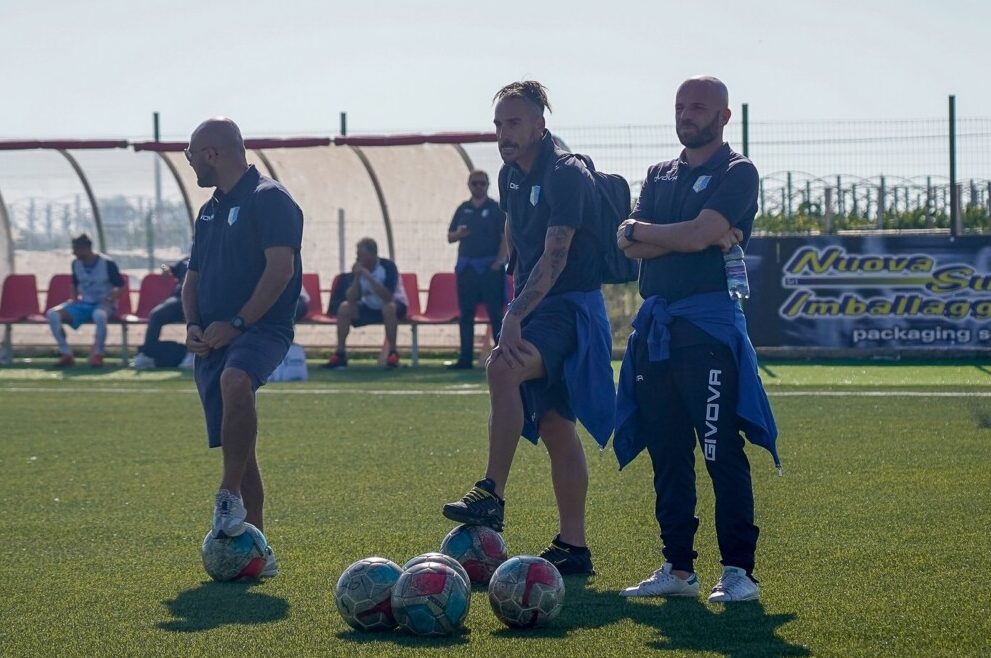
569 547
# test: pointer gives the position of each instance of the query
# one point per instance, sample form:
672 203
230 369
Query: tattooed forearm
525 303
545 272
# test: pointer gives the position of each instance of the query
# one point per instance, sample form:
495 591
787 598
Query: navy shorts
368 315
258 352
552 328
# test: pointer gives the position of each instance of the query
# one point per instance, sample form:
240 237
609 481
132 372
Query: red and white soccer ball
443 559
234 558
526 592
430 598
364 594
479 549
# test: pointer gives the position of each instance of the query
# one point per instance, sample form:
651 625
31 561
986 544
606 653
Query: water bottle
736 273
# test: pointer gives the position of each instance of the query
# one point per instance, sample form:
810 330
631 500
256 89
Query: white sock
55 323
100 320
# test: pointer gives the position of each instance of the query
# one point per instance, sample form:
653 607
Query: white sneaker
734 585
188 361
142 361
271 569
664 583
228 514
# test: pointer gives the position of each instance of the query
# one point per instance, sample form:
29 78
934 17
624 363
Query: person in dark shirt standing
690 370
478 226
552 363
239 298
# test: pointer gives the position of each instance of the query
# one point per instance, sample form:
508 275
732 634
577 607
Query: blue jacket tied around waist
720 317
588 372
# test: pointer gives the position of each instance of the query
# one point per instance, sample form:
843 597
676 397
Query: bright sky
100 68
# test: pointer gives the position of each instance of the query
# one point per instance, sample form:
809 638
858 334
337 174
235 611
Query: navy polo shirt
558 191
673 192
486 224
232 233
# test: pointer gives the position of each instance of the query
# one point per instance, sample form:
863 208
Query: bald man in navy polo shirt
239 298
690 373
552 364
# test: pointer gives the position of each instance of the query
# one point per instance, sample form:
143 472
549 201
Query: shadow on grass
401 639
219 604
740 630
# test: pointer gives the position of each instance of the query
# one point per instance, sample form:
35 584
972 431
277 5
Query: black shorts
258 352
367 316
552 328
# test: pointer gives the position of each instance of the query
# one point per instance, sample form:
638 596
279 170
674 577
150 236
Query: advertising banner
871 291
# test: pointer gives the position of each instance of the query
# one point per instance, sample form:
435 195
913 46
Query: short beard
207 179
705 136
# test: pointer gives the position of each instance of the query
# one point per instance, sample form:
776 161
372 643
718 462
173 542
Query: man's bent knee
235 384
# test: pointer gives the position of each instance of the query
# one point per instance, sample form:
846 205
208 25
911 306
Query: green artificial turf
875 542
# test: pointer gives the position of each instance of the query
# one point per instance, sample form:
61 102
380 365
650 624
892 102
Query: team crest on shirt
485 213
232 215
701 183
534 195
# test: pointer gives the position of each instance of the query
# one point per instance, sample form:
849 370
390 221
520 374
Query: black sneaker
459 365
480 506
569 560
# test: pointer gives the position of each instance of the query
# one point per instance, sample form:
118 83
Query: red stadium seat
442 301
155 289
19 299
412 294
314 312
59 292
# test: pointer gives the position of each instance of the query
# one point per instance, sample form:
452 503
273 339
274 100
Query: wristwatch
238 323
628 232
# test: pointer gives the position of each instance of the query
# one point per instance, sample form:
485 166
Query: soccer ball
526 591
478 548
430 599
233 558
443 559
363 594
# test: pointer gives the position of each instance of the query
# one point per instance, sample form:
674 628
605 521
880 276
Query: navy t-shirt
486 224
558 191
672 193
232 233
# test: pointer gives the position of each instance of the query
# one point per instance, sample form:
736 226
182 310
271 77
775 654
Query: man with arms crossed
690 370
553 354
238 298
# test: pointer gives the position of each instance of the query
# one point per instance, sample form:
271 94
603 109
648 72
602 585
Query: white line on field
478 391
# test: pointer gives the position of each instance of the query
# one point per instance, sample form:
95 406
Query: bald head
219 133
216 153
708 87
701 110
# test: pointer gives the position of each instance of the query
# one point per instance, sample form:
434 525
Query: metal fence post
954 199
788 198
746 130
880 204
828 218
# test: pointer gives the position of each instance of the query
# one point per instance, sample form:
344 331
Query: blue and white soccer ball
364 594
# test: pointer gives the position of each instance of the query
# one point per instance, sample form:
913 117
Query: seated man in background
96 285
168 312
374 294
